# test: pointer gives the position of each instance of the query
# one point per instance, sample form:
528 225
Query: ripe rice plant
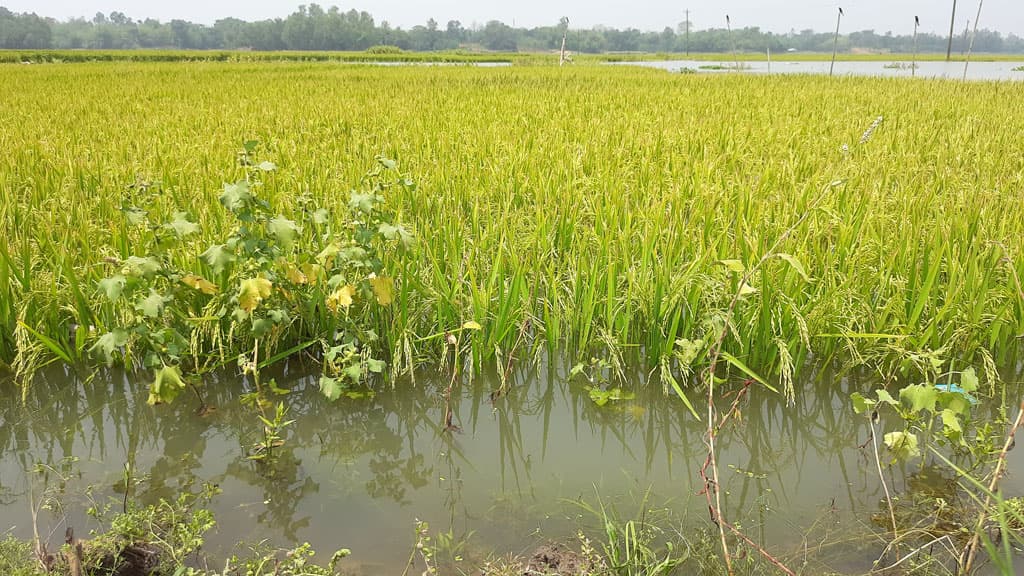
586 209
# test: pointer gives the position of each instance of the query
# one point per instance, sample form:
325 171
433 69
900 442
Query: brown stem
972 547
711 484
778 563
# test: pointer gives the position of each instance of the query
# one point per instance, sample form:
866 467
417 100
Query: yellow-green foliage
579 206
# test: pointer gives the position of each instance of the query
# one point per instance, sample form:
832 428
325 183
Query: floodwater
519 470
950 70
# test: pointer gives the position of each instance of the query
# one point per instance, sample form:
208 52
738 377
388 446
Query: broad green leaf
181 225
352 255
733 265
236 196
363 201
113 287
577 370
969 380
199 283
955 402
375 366
134 215
284 231
796 264
387 163
166 386
341 298
686 351
261 326
267 166
383 288
174 343
886 398
903 445
141 267
951 427
278 316
252 292
152 305
354 372
919 397
331 388
108 343
218 257
860 403
397 234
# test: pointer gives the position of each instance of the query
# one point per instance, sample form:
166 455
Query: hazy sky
776 15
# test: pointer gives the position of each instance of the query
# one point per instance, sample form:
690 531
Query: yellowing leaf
313 272
733 265
903 445
294 275
382 289
747 289
326 257
341 298
252 292
200 283
471 325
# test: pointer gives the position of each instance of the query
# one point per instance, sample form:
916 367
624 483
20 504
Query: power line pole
732 41
913 63
687 24
952 22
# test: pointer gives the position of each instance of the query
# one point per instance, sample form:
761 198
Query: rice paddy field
591 208
621 218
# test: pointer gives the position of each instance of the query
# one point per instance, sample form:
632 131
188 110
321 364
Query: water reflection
357 473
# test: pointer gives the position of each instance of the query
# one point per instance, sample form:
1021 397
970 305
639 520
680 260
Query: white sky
776 15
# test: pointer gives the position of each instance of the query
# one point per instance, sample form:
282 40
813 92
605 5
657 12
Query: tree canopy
313 27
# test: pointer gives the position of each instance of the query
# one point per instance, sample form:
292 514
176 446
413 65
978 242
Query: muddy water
519 470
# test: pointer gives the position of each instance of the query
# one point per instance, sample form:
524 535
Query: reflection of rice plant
730 66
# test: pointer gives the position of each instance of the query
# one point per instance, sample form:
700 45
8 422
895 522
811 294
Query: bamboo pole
835 43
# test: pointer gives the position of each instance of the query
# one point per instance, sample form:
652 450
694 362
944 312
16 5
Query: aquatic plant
272 279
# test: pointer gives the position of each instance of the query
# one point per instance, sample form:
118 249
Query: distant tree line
315 28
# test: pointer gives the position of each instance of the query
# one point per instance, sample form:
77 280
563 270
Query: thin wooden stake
835 43
974 35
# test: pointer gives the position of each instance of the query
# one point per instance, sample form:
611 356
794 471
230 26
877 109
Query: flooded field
900 69
510 472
